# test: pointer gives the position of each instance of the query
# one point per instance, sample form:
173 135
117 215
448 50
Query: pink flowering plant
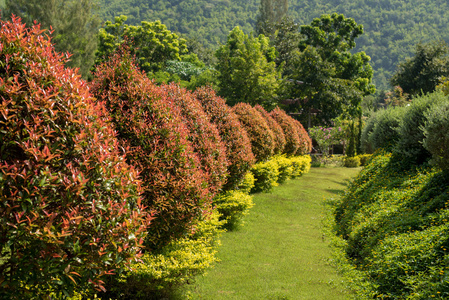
326 137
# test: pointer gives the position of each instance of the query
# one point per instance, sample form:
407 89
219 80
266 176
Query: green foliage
151 43
394 226
385 132
247 71
325 137
259 133
421 73
352 162
247 183
364 159
232 206
300 165
285 167
436 132
70 209
266 174
278 133
152 127
75 24
238 146
157 274
411 135
271 12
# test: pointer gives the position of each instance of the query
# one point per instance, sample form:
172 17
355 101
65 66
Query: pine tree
271 12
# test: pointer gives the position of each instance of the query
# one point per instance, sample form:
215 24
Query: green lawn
280 252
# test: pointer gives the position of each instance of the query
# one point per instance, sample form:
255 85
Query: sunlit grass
280 252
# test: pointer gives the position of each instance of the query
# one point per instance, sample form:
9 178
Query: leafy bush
247 183
365 142
352 162
156 275
203 136
266 175
278 133
436 132
385 133
260 135
285 167
70 210
292 137
232 206
152 127
300 165
364 159
238 146
411 135
394 225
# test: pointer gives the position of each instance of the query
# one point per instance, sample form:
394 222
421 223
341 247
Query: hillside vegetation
392 28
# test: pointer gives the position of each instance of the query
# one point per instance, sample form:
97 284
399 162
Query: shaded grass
280 252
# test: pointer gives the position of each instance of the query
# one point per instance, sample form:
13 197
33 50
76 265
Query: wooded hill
392 27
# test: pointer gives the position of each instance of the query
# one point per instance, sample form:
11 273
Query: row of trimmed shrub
93 186
418 132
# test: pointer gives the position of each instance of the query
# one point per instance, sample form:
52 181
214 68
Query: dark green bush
436 132
70 209
385 134
260 135
411 135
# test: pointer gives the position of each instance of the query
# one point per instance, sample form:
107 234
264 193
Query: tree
151 42
422 72
324 75
74 23
271 12
247 70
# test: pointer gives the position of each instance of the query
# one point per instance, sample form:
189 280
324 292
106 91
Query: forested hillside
392 27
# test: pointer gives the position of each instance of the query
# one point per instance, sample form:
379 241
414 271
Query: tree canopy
247 70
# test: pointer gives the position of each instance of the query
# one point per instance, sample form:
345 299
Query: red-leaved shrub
289 127
70 207
152 127
304 138
260 135
204 136
278 133
234 136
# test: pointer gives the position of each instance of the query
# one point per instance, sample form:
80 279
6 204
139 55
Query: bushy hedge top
204 136
238 146
152 127
70 209
305 145
278 133
289 127
260 135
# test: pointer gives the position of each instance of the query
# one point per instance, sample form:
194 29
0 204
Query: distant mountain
392 27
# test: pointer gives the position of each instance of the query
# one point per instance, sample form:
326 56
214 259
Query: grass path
280 252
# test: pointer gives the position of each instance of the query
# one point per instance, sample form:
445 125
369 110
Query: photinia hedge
278 133
70 209
305 145
152 127
234 136
204 136
289 127
260 135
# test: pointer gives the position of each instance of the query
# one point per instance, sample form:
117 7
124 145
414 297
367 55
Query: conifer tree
271 12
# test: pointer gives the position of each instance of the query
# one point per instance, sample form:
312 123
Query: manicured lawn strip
280 252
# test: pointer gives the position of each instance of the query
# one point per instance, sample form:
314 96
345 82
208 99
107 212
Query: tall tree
422 72
271 12
247 70
324 75
151 42
74 22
